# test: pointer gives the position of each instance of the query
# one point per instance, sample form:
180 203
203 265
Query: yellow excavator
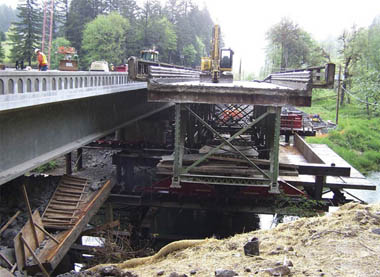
218 67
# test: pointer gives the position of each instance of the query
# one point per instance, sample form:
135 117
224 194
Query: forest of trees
113 30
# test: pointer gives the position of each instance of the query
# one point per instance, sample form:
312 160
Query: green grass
357 136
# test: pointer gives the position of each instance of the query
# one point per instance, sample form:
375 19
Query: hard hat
35 51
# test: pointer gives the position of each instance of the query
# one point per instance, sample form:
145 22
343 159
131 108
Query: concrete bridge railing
14 82
21 89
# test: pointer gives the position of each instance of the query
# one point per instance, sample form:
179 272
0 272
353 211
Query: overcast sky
245 22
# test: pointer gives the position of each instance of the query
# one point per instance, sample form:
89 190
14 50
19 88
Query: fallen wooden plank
22 253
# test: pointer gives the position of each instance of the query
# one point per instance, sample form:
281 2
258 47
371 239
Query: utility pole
240 70
338 96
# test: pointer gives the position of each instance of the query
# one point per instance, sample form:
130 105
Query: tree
80 13
104 39
291 47
351 53
163 37
1 53
189 54
26 33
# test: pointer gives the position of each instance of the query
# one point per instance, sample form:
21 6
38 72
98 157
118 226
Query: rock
225 273
8 236
111 271
278 271
289 263
290 248
175 274
193 272
376 231
251 248
129 274
160 273
247 269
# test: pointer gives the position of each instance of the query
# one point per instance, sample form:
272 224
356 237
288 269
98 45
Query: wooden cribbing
9 222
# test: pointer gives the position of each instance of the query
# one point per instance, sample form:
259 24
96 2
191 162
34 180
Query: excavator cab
226 59
149 55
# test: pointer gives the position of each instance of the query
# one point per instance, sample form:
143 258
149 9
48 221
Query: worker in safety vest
42 61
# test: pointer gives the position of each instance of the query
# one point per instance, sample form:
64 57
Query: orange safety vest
42 59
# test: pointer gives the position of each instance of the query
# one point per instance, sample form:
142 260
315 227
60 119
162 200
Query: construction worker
41 59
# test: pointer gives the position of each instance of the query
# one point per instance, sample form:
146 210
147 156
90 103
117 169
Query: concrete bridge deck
44 115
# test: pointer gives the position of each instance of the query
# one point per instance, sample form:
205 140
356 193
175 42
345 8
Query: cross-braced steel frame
263 179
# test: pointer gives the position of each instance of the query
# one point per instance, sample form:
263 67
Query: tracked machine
218 67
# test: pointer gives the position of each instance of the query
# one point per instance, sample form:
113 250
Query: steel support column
179 142
68 164
274 149
80 159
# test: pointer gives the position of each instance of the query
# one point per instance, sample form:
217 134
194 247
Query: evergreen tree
26 33
80 13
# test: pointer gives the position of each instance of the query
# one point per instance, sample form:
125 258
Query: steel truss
272 116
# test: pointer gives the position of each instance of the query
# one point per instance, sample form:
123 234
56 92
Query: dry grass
340 244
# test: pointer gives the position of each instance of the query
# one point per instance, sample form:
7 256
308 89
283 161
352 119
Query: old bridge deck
249 93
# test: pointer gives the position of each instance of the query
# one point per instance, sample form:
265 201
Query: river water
369 196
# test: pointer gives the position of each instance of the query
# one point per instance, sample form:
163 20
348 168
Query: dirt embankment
345 243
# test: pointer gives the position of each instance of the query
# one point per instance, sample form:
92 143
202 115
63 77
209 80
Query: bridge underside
34 136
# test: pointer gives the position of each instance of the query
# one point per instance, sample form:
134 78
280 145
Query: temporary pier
227 146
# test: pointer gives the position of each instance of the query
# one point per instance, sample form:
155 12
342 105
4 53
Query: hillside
344 243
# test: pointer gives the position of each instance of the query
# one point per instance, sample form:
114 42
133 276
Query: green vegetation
302 207
46 167
291 47
357 136
178 29
25 34
113 27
